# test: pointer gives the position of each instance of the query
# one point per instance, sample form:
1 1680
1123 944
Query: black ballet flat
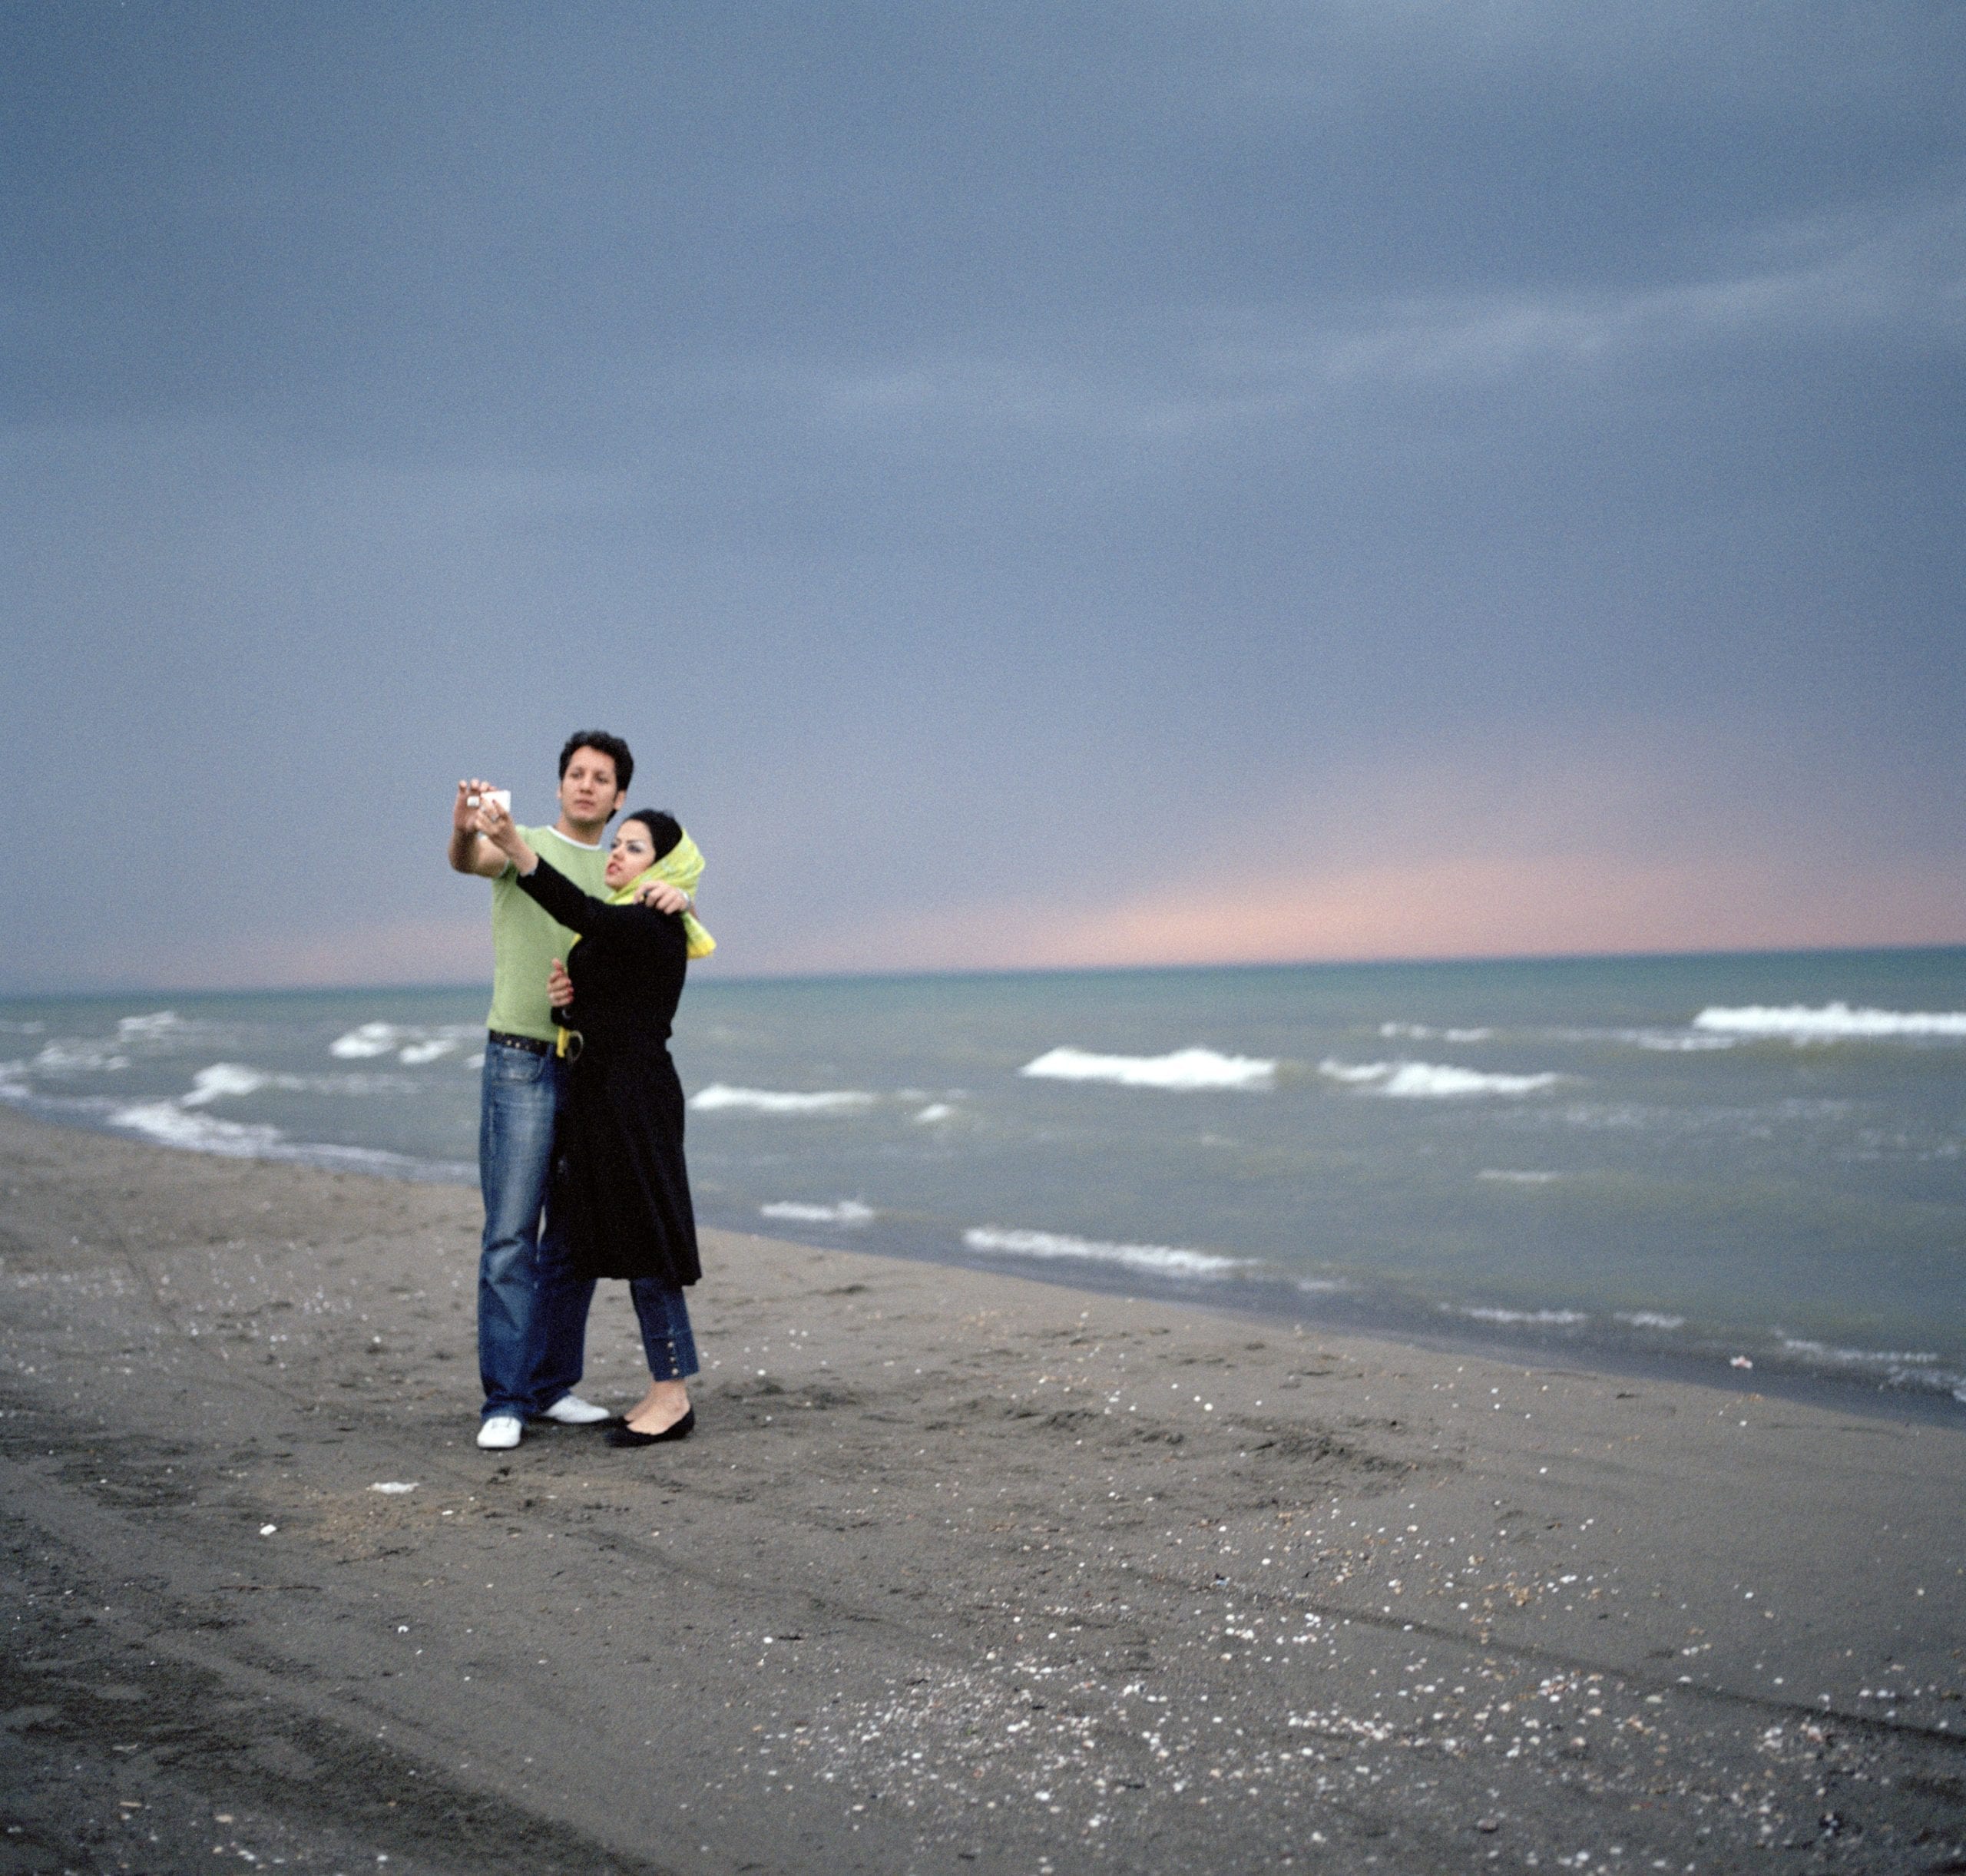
621 1434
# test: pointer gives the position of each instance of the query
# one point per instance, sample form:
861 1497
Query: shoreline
961 1572
1282 1299
1583 1354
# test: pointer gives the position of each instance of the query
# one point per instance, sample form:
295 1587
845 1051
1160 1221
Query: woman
618 1179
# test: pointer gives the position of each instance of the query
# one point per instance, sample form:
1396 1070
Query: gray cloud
945 437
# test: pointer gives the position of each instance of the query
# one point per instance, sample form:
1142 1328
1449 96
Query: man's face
588 793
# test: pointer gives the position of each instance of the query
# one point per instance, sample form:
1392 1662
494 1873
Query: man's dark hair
664 830
612 747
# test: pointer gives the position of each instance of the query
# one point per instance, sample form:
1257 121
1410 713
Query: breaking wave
1834 1022
1184 1069
1162 1260
1539 1319
777 1100
1916 1370
1422 1032
408 1043
1856 1358
1508 1177
848 1212
158 1022
1431 1080
221 1078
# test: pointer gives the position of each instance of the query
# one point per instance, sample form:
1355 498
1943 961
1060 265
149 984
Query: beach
961 1572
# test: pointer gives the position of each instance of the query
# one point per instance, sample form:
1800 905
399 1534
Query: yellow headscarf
682 865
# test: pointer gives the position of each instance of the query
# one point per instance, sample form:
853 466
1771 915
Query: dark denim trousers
667 1339
531 1309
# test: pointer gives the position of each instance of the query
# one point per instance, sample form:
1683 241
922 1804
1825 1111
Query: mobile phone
502 796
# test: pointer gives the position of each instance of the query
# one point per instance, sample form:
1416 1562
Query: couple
582 1112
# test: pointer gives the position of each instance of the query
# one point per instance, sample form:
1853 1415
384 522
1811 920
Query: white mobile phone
503 796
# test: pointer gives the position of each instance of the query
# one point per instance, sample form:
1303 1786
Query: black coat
620 1189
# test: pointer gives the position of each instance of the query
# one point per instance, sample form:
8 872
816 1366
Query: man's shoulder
576 861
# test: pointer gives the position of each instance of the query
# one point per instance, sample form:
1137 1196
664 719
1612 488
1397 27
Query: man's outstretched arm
470 851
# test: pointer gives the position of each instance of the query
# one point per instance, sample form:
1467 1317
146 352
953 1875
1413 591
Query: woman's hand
559 986
496 824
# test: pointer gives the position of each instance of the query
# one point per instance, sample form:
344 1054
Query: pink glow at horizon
1473 907
1469 908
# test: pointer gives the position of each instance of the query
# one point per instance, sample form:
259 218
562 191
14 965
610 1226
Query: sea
1749 1169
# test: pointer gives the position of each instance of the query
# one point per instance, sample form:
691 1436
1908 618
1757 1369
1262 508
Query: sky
1038 485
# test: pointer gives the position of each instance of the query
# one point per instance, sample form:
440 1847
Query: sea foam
1537 1318
848 1212
1832 1023
1431 1080
1162 1260
1184 1069
171 1126
418 1053
80 1055
778 1100
158 1022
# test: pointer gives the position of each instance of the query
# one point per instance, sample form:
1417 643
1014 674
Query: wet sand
960 1574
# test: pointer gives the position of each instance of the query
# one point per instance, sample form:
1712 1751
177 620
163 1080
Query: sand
960 1574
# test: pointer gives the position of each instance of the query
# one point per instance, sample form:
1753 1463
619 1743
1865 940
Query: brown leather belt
531 1044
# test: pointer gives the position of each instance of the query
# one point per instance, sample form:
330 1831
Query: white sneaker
500 1432
571 1411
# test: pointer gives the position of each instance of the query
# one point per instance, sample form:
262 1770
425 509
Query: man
531 1309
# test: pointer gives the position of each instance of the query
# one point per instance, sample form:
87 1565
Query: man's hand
469 853
559 986
464 816
663 896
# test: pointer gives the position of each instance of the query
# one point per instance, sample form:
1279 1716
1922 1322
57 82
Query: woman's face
632 854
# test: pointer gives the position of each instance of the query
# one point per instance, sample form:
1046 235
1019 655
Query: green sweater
524 941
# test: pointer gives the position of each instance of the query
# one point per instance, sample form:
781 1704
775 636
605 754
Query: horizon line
931 973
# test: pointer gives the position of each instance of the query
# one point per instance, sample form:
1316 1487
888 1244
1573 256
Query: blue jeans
531 1308
667 1339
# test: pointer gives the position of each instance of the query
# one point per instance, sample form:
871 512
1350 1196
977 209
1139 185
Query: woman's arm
564 902
554 892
